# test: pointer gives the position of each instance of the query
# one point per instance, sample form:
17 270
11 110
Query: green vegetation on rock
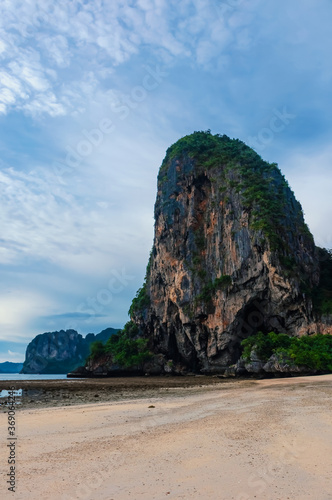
265 191
205 148
313 352
141 299
127 350
97 349
322 295
211 288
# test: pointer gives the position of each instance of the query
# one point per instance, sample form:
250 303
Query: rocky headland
232 256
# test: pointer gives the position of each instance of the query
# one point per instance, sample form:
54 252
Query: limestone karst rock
60 352
232 255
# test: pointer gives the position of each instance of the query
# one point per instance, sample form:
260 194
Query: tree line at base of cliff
313 352
125 347
270 353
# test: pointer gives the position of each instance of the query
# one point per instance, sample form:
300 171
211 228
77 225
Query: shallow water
4 394
26 376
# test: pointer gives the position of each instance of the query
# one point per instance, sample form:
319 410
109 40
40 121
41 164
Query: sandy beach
241 440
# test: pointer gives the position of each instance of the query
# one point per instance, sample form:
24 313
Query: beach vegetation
311 351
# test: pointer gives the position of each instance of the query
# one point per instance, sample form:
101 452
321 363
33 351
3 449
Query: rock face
60 352
275 366
231 256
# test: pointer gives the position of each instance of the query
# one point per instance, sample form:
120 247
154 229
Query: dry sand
241 440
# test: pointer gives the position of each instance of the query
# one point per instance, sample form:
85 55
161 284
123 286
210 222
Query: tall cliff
60 352
231 255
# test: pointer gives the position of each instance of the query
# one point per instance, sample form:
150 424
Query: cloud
11 353
10 82
309 174
30 74
57 48
64 235
73 315
17 311
45 103
43 220
2 47
50 49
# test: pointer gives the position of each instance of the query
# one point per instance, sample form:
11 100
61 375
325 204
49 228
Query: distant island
9 367
60 351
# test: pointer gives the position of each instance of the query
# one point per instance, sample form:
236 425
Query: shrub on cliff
125 349
211 288
141 299
322 295
97 349
313 352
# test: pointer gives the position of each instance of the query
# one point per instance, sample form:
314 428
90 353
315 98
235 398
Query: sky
93 92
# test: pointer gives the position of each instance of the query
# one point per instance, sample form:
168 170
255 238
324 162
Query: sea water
28 376
16 377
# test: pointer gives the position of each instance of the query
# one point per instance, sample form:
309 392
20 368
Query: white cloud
2 47
45 103
73 218
17 358
7 96
309 174
87 38
11 82
43 221
16 311
57 49
31 73
11 353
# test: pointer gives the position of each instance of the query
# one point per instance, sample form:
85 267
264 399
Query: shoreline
73 391
55 393
246 440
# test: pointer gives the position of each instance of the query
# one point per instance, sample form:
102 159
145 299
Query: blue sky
92 93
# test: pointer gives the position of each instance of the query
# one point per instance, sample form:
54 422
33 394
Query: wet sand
241 440
41 393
